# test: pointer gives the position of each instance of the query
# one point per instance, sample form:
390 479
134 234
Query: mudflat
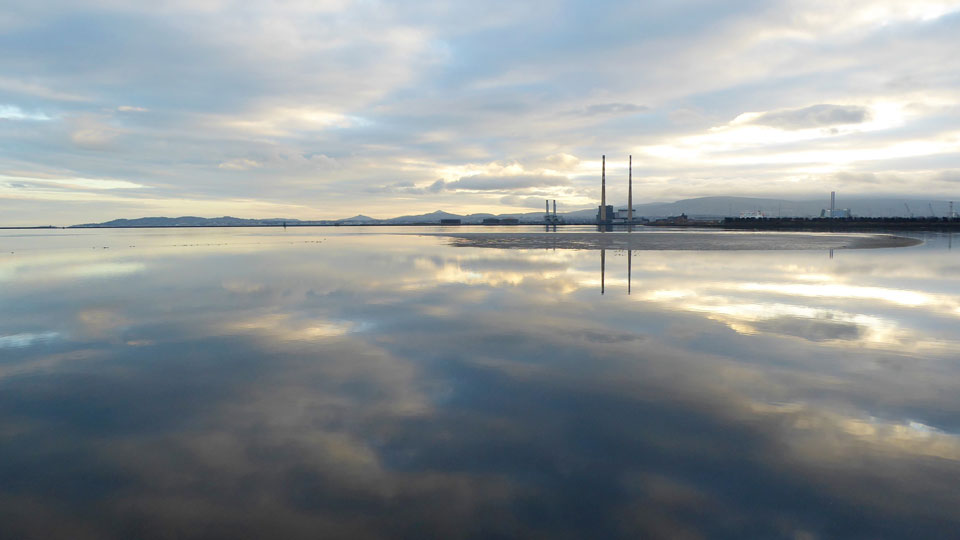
683 241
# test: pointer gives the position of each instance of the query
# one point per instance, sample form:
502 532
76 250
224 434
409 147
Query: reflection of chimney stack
833 203
603 268
603 190
554 207
630 194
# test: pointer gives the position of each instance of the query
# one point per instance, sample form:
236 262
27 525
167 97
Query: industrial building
606 215
552 218
833 212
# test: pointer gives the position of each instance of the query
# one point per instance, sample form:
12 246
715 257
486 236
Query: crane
909 213
932 213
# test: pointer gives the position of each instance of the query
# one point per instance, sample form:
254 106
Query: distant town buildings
682 219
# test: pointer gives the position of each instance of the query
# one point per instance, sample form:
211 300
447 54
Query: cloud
562 162
610 109
239 164
522 202
479 182
815 116
286 121
505 183
68 183
34 90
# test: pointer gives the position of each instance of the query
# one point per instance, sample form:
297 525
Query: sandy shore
685 241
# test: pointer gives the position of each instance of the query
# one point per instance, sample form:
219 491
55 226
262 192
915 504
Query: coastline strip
681 241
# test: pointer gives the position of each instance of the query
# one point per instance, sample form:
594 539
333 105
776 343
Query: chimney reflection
603 271
603 268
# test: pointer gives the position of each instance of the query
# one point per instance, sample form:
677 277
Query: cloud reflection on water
395 386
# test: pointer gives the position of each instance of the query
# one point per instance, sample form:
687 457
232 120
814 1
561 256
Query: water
352 382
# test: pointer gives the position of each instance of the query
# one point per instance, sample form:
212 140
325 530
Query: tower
630 193
603 190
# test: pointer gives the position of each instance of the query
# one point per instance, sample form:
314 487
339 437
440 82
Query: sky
326 109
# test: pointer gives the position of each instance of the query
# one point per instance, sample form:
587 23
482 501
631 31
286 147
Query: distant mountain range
703 207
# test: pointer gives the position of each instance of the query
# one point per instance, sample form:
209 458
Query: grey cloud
522 202
409 188
812 329
482 182
859 178
949 176
815 116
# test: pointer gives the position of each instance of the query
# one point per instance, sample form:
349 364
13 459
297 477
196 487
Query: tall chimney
554 207
547 202
833 202
630 194
603 191
952 215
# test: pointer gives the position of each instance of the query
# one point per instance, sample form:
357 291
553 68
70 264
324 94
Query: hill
702 207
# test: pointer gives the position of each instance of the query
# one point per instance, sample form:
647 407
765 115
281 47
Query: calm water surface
317 383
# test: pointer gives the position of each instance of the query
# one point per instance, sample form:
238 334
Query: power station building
834 212
552 218
606 215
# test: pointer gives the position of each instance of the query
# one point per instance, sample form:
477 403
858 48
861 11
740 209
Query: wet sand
684 241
